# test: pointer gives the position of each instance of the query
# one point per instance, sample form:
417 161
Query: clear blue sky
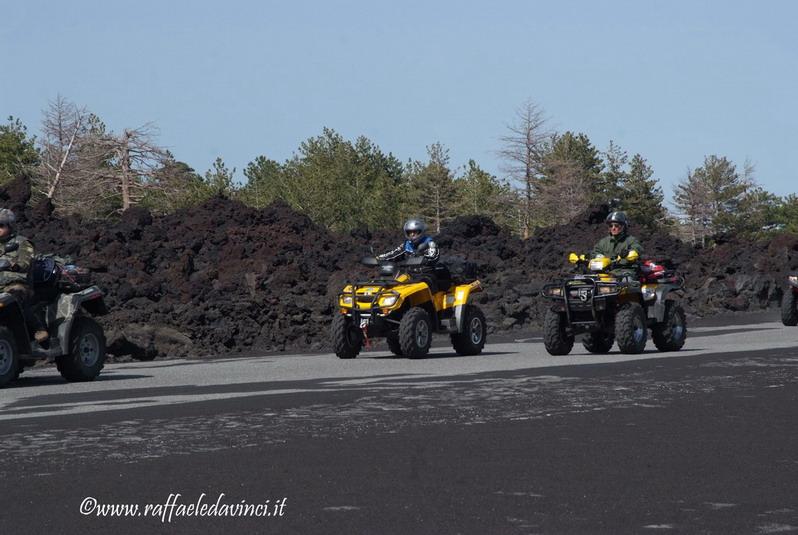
672 80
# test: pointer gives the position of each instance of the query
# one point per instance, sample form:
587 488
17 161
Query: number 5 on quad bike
406 304
64 301
789 313
607 307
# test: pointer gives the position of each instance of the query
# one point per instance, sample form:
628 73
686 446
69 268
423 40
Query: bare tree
66 156
523 151
693 199
88 170
135 162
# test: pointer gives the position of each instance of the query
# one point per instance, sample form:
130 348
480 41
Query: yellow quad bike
406 305
608 307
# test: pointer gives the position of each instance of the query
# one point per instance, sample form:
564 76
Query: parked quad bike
406 304
789 313
65 302
609 308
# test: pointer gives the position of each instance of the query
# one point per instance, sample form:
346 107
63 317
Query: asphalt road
512 441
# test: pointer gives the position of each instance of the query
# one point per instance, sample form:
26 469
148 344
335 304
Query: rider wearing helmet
16 255
619 243
416 244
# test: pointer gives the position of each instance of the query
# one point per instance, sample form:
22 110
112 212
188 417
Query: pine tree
430 189
480 193
614 174
641 197
17 150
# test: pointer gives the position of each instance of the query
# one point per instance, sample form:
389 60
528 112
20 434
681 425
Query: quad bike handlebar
412 261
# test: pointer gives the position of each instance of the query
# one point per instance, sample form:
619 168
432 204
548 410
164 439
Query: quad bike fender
417 293
69 305
664 295
11 316
458 298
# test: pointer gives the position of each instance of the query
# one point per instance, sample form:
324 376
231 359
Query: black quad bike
406 304
64 302
789 313
609 308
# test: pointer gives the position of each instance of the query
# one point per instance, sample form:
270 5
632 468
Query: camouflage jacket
614 246
18 252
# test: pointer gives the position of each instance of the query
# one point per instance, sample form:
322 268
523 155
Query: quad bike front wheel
598 342
347 339
472 339
9 357
393 344
86 351
555 335
630 328
415 333
671 334
789 314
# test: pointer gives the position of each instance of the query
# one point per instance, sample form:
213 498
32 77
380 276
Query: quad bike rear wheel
415 333
789 314
472 339
86 351
671 334
598 342
555 337
9 357
630 328
347 339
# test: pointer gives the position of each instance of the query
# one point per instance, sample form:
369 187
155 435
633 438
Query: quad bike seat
437 277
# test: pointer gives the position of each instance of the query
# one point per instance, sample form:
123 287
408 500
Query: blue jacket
426 246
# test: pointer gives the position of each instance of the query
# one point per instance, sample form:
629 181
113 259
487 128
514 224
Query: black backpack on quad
608 307
789 313
64 302
406 304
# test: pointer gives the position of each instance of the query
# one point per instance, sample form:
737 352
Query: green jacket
20 259
614 246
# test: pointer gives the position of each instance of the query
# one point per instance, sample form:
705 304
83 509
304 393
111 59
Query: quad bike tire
555 337
630 329
394 345
599 342
789 314
415 333
671 334
347 339
472 339
9 356
86 356
20 369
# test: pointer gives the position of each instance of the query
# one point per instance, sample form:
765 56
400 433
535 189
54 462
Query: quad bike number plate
364 322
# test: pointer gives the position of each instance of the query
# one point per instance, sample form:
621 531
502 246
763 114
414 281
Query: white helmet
414 225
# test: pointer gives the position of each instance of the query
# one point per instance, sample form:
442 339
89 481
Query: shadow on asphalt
28 382
438 356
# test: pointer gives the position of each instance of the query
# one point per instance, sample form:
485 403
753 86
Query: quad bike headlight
346 300
604 290
554 292
596 264
793 279
648 293
388 301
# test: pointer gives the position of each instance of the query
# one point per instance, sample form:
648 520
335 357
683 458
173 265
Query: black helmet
617 217
414 225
